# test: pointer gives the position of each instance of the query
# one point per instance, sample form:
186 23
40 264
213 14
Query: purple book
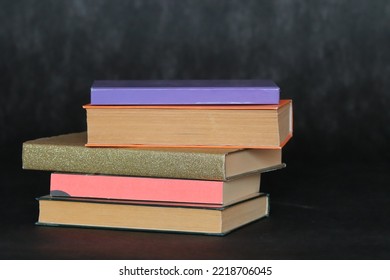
183 92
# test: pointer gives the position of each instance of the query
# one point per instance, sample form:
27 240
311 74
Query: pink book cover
136 188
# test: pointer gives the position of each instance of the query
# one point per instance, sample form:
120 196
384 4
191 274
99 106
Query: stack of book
177 156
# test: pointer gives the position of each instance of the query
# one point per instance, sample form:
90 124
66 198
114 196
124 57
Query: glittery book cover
68 153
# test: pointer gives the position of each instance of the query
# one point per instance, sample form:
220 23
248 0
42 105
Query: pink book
154 189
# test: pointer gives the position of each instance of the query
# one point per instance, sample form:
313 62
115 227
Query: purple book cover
183 92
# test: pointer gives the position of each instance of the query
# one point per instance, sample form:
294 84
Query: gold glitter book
68 153
116 214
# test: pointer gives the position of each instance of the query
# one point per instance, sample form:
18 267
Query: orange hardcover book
154 189
212 126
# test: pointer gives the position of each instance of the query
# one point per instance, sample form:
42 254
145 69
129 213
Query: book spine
136 188
153 96
130 162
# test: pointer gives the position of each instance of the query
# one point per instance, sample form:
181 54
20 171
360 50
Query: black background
331 57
